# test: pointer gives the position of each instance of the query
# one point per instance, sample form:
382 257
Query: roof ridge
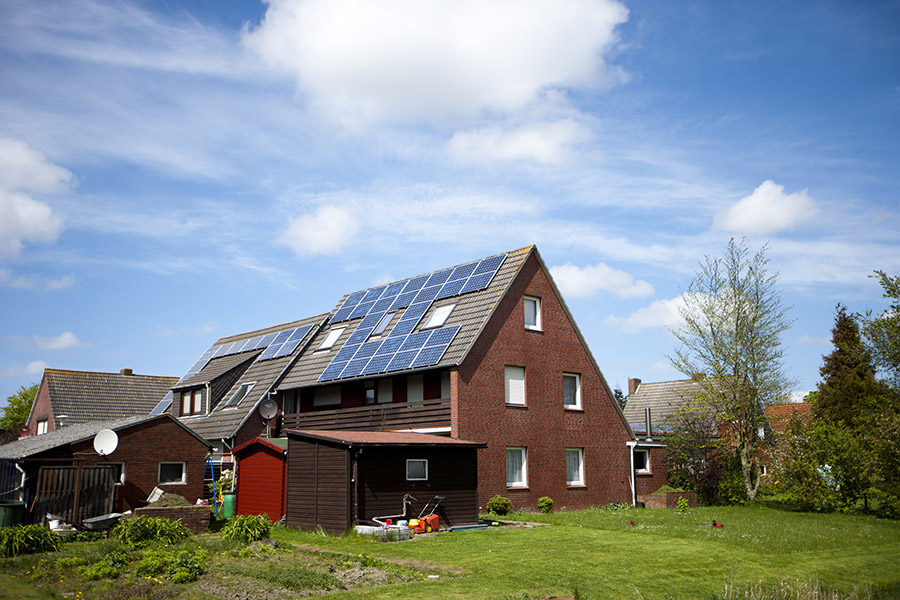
48 370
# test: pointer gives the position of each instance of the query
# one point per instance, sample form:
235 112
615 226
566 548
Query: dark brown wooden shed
260 470
336 479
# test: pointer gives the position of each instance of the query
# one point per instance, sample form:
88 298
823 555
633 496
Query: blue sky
172 172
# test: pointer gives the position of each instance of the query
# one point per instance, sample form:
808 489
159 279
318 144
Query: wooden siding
260 482
452 472
59 489
318 486
379 417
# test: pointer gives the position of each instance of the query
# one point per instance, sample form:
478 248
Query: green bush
102 570
27 539
187 567
68 563
154 562
139 532
545 504
247 528
499 505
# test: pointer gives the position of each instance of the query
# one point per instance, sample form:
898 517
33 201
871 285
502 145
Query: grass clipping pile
267 570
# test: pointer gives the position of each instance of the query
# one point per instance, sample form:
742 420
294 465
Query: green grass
600 553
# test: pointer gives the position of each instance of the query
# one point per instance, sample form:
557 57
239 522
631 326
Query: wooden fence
379 417
73 493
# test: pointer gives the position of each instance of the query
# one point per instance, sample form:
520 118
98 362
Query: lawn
598 553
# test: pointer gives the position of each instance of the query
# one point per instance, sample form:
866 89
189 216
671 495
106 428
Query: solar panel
269 352
477 282
429 356
394 289
444 335
354 367
439 277
426 294
360 335
287 348
403 327
371 319
451 288
489 265
404 300
300 333
367 350
333 371
163 405
222 350
361 310
415 311
416 283
416 340
402 360
390 345
383 304
354 299
378 364
373 295
463 271
343 314
346 353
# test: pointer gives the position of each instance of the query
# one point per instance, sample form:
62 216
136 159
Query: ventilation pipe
648 424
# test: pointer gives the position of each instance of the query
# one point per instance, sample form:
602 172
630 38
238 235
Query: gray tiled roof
663 398
223 422
70 434
84 396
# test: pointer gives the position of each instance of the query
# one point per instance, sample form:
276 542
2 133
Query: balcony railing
379 417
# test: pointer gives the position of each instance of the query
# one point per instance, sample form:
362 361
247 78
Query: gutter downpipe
22 482
208 398
631 446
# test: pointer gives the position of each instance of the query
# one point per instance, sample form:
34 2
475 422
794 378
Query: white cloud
585 282
32 282
203 330
24 170
660 313
805 340
547 143
402 60
767 210
35 367
65 340
326 231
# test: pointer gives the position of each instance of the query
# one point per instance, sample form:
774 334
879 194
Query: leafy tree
621 398
883 332
733 318
18 407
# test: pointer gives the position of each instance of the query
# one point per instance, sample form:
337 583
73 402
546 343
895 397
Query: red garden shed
260 469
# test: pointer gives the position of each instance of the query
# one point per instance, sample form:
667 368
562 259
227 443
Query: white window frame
579 478
238 397
416 460
197 400
646 468
183 473
331 339
514 385
523 476
120 480
42 426
383 323
577 378
536 302
439 316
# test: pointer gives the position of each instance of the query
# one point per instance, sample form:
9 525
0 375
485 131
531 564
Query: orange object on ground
425 524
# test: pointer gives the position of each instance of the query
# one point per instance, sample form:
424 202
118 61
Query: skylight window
331 338
240 394
384 322
439 316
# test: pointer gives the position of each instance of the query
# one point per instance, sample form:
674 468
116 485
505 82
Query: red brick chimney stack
633 386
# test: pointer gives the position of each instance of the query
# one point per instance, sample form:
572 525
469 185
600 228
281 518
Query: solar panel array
402 349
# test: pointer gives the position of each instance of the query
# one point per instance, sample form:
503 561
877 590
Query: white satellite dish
105 442
268 409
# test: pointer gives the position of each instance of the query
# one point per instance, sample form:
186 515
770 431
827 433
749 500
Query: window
290 402
532 313
516 468
327 398
763 471
416 469
118 471
191 402
571 390
380 392
331 338
439 316
42 427
415 388
574 466
515 385
383 323
641 461
240 393
171 473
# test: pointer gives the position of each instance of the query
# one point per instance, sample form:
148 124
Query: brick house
73 397
151 451
486 352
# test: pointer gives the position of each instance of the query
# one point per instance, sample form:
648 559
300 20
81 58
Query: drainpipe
21 482
631 445
208 398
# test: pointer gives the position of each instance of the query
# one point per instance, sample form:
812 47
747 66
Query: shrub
499 505
140 531
187 567
102 570
683 504
545 504
68 563
27 539
247 528
154 562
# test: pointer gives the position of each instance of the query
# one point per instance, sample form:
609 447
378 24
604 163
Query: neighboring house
486 351
779 416
151 451
67 398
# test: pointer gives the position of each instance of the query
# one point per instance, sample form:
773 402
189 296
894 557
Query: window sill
573 409
508 405
534 329
576 486
643 473
172 483
518 488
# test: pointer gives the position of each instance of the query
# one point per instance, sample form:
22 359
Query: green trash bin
228 504
12 513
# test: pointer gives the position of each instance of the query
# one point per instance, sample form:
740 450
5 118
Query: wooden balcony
379 417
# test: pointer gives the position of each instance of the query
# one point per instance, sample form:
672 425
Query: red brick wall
195 518
142 448
41 409
544 426
647 483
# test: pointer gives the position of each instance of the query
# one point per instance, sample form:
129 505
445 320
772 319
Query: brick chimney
633 386
130 372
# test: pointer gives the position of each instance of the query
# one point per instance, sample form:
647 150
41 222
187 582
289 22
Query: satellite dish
105 442
268 409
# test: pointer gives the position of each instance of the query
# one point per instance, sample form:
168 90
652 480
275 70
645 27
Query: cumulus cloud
35 367
547 143
400 60
585 282
33 282
660 313
63 341
767 210
23 171
326 231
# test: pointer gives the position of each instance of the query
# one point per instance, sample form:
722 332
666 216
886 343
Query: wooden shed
336 479
260 470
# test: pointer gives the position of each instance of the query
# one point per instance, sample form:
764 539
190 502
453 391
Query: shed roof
277 444
73 434
380 438
84 396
